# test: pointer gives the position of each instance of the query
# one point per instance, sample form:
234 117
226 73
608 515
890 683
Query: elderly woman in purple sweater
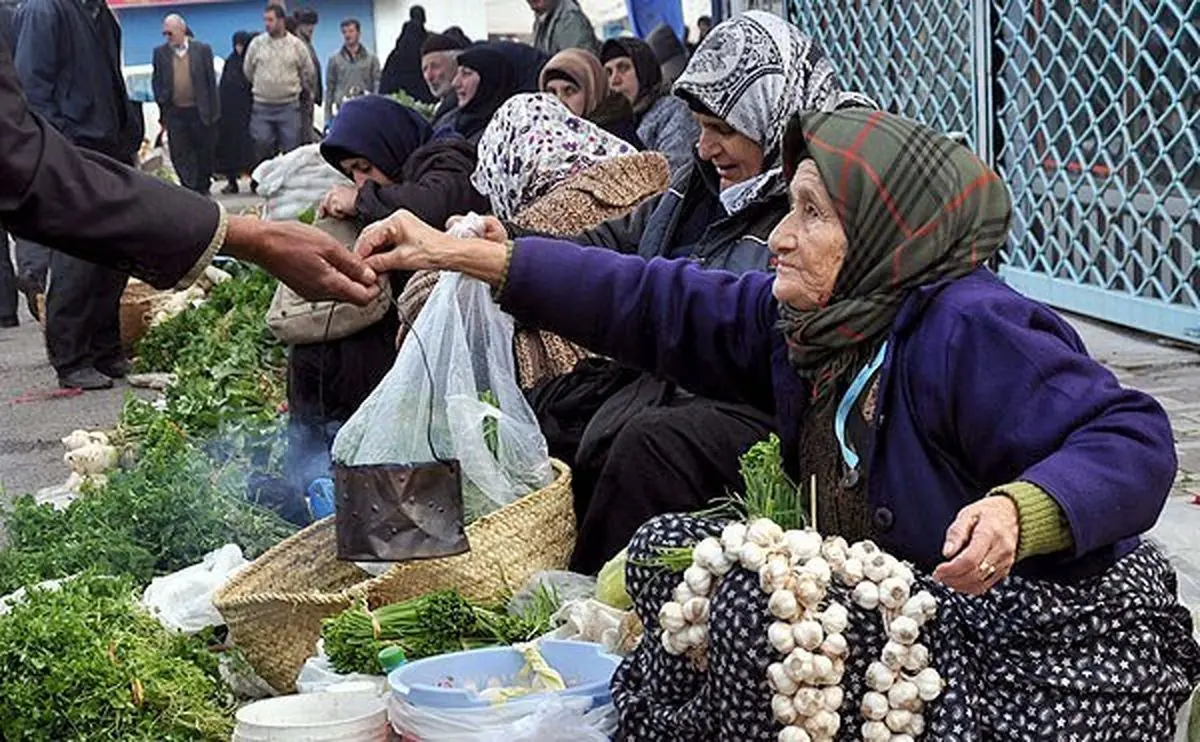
957 423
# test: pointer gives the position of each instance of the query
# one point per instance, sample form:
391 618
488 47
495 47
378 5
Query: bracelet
498 292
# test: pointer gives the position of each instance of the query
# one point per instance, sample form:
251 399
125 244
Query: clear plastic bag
454 384
553 719
566 586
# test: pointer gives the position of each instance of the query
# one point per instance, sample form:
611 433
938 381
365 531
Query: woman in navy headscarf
390 152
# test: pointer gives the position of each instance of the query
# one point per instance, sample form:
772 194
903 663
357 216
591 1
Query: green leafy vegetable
425 109
86 663
769 492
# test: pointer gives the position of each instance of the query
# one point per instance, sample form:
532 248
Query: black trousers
83 302
8 280
193 148
666 459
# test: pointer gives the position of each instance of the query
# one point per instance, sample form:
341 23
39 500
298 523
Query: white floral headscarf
532 144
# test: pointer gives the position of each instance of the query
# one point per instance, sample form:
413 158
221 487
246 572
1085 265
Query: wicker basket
274 608
137 304
532 534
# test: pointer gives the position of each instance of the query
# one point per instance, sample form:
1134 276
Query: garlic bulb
835 645
916 726
898 720
875 706
893 655
780 681
917 659
904 630
752 556
863 549
783 605
902 571
794 734
782 709
708 551
733 537
834 697
880 677
866 595
804 545
820 569
764 532
822 668
779 634
876 731
697 635
808 591
835 550
695 610
682 593
902 738
929 684
893 593
823 724
877 567
670 617
852 572
698 579
835 618
808 701
902 695
808 634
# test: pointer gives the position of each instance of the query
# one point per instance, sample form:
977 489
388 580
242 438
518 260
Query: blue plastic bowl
451 680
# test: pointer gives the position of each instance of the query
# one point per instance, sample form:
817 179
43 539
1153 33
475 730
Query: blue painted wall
215 24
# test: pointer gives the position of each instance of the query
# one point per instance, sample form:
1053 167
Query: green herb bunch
87 663
429 625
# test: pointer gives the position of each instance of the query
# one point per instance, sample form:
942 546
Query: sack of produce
294 182
450 401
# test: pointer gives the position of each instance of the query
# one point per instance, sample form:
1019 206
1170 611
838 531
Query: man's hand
312 263
981 546
339 203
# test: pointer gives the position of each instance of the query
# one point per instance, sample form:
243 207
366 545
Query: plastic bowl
451 680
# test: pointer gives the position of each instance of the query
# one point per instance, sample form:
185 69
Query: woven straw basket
274 608
137 304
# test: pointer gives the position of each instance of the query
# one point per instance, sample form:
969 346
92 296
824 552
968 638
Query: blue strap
847 403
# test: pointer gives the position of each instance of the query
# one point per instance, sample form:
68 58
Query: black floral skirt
1109 658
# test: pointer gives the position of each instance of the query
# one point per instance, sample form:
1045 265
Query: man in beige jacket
279 67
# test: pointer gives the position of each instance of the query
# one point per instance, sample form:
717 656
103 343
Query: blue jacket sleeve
36 59
1018 398
708 331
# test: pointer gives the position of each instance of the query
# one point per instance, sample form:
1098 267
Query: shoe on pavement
87 379
9 322
117 370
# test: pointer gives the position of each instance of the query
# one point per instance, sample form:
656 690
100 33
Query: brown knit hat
436 42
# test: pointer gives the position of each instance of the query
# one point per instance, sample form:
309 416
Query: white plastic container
314 717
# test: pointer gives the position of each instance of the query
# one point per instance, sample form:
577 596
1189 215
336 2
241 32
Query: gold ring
987 569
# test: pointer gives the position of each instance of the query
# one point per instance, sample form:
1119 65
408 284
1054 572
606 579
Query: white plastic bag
318 676
293 182
467 343
553 719
589 621
182 601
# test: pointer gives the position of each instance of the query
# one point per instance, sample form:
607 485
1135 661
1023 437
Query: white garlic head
875 706
880 677
893 593
783 605
698 579
779 634
904 630
670 616
808 634
835 619
866 595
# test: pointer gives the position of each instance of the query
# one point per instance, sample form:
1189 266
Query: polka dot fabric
1108 659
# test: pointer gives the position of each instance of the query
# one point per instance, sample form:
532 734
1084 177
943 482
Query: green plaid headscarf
917 208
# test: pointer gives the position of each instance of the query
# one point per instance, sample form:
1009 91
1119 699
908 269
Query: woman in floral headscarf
957 423
545 168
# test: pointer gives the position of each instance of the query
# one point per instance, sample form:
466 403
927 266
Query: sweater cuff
214 246
498 292
1044 528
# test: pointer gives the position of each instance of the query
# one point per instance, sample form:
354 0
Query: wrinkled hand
400 242
312 263
984 534
340 202
493 228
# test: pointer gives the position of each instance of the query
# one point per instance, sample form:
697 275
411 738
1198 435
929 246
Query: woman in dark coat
958 424
402 70
485 79
235 148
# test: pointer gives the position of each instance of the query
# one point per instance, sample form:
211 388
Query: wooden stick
812 501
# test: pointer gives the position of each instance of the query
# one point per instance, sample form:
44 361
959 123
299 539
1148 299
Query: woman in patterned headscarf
957 423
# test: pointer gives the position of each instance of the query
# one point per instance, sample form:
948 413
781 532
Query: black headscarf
497 83
378 129
526 61
235 149
402 71
645 65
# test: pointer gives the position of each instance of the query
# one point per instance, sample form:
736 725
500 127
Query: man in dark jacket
306 26
185 88
91 207
68 56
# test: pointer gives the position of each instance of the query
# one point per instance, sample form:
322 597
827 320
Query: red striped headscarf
917 208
